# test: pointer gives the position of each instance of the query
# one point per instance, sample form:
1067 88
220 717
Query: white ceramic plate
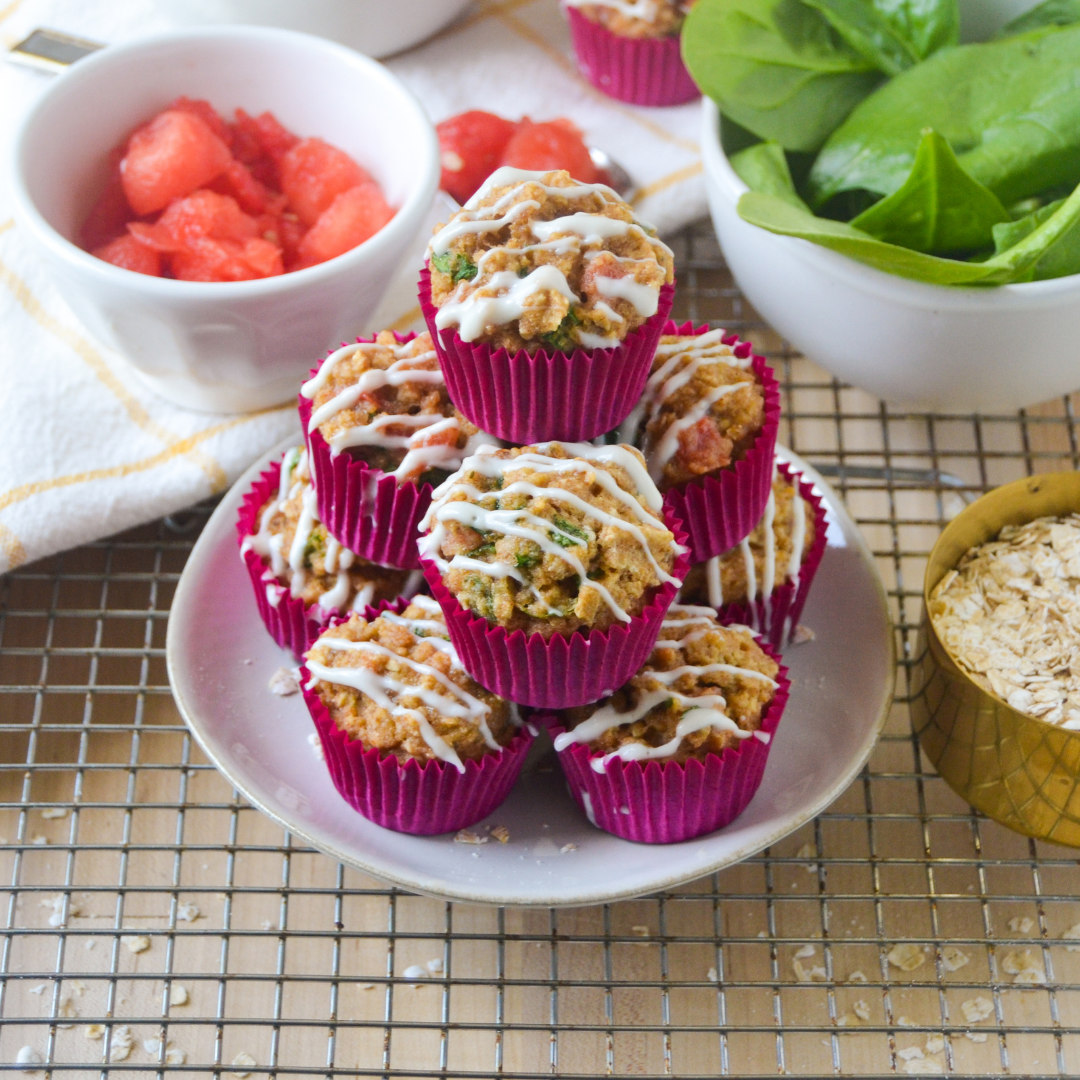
220 659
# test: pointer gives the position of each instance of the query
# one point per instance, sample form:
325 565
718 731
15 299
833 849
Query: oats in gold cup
1022 770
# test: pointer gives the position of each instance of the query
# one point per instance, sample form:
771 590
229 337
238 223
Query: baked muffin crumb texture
704 689
396 684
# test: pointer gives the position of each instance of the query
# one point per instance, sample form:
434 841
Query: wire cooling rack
151 911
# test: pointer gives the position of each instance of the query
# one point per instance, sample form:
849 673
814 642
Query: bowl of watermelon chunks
222 205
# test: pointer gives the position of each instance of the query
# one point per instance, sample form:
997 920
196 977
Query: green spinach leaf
1012 264
939 208
893 34
1049 13
763 167
776 67
459 267
1062 258
1010 109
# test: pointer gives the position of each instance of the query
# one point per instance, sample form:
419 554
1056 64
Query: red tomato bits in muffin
193 197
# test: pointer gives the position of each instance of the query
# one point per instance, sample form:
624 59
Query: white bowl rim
172 288
1025 293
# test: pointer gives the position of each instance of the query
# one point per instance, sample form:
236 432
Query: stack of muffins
557 459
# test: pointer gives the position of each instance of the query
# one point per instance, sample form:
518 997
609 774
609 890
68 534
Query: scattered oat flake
953 959
135 943
316 745
178 995
712 975
284 683
120 1043
187 912
805 952
567 847
151 1046
242 1062
847 1020
66 1010
907 956
39 990
639 931
935 1044
77 986
813 974
909 1053
53 813
94 1031
802 634
414 971
1018 962
976 1009
466 836
976 1036
856 977
367 986
1007 614
1073 933
861 1010
435 965
904 1021
1031 975
29 1059
1021 925
89 944
266 924
57 917
40 840
174 1055
762 933
501 833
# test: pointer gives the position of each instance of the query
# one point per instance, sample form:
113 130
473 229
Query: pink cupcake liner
365 509
665 803
641 71
556 672
776 615
720 511
421 798
537 397
290 622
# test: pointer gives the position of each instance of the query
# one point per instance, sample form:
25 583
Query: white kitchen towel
85 449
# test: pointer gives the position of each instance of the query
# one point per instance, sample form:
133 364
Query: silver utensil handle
51 51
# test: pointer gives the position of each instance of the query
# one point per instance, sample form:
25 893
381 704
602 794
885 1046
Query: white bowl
924 346
375 27
222 346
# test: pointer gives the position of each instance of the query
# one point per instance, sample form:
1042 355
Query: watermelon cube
172 156
353 217
129 254
314 173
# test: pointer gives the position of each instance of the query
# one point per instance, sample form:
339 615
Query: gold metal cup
1020 771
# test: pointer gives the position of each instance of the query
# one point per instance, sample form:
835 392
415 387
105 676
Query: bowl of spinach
903 207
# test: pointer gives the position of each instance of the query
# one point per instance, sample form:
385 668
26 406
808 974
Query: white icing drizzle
681 361
386 691
768 582
522 523
421 453
504 297
268 546
702 711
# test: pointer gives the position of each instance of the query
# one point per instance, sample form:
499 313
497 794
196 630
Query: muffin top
705 688
1009 614
305 557
396 685
771 555
635 18
387 403
536 260
701 410
551 538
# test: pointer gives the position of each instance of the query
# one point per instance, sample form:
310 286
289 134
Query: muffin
382 432
707 424
631 50
545 298
765 580
412 741
301 575
540 553
680 748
